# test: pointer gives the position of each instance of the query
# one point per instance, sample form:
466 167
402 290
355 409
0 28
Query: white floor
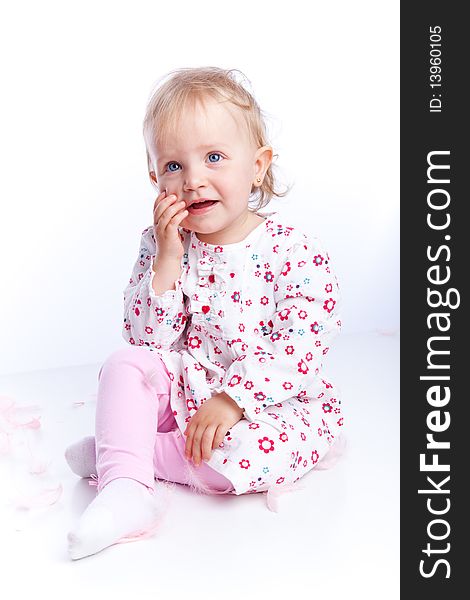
339 536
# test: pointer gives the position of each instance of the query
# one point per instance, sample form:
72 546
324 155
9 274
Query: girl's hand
168 213
208 426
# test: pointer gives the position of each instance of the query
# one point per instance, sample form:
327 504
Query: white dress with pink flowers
254 319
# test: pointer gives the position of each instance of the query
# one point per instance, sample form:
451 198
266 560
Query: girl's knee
139 356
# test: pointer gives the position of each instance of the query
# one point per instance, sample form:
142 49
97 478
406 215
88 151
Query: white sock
125 508
81 457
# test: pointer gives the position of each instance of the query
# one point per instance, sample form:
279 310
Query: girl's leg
132 383
123 449
126 424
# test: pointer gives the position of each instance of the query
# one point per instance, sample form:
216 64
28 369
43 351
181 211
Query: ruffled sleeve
287 360
150 319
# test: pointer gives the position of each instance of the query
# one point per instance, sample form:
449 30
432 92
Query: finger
189 442
159 198
196 447
162 205
219 436
207 441
171 213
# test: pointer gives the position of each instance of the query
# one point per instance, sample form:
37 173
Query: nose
193 180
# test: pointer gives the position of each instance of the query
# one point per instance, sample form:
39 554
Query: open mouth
201 207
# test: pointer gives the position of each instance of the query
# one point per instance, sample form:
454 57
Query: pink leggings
136 433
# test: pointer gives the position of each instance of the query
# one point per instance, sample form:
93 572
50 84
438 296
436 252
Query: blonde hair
187 86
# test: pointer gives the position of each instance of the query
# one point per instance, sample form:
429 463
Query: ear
153 176
263 159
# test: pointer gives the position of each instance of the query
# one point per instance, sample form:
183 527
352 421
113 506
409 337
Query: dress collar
236 246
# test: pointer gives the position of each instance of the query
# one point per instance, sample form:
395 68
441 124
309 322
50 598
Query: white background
75 194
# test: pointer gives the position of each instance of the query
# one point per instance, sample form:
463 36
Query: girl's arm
151 319
287 361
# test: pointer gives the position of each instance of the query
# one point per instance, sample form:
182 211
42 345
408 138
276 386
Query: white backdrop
75 194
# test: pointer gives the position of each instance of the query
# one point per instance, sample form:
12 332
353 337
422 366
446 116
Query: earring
258 180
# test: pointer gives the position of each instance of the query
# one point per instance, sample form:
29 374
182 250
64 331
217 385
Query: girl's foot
124 510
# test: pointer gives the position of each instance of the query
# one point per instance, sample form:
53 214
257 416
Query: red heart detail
206 309
232 275
211 278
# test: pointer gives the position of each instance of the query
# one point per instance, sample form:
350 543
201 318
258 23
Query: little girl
228 313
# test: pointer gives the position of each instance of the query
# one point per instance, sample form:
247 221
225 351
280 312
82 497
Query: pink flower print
320 432
329 305
302 436
315 327
248 385
289 350
264 301
194 342
241 327
248 302
149 301
283 437
318 343
302 367
328 288
318 260
276 248
191 405
284 314
287 385
253 426
325 350
234 380
326 384
327 408
266 445
302 314
280 480
321 394
148 330
305 462
269 277
275 336
127 326
244 463
131 341
315 456
286 268
340 421
305 422
309 356
266 265
236 296
136 308
259 397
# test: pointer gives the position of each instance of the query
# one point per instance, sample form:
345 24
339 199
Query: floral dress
254 319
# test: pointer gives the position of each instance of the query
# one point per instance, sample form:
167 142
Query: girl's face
212 157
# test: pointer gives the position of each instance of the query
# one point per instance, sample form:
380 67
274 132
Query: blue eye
215 154
169 164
